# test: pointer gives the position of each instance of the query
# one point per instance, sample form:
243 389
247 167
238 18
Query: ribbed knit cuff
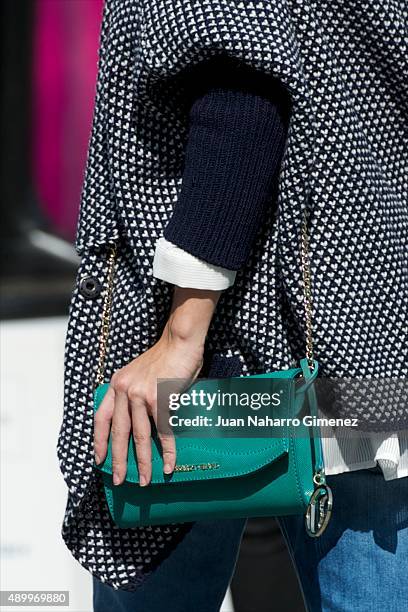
232 159
180 268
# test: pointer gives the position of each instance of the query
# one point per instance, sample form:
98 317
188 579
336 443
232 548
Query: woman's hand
132 394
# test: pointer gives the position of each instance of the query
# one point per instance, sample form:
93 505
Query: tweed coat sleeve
149 52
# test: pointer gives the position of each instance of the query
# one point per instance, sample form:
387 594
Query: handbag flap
203 458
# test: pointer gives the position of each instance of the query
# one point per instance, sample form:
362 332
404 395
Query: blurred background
49 52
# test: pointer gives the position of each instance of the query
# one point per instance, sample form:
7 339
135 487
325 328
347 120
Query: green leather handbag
225 477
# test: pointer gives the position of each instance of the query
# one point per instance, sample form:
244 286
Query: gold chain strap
106 310
107 302
307 288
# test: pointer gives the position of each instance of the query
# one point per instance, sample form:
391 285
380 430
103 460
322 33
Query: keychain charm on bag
319 510
320 506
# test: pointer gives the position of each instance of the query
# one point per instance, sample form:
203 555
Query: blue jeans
360 563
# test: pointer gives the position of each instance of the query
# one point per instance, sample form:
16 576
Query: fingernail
97 459
167 469
142 481
116 479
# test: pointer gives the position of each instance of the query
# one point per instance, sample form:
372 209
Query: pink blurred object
65 64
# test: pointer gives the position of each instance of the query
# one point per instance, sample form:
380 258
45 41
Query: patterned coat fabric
345 65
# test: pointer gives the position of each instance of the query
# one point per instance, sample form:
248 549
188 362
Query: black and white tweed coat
345 64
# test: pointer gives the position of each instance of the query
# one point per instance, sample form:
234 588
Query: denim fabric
360 563
194 578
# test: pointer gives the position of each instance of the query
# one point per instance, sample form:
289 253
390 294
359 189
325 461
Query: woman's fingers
142 436
102 425
168 445
164 430
121 427
131 398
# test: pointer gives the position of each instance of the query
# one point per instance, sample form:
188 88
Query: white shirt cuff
183 269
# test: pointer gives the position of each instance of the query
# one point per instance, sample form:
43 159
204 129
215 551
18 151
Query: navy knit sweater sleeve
237 130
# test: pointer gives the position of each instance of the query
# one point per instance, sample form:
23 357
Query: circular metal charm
319 511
